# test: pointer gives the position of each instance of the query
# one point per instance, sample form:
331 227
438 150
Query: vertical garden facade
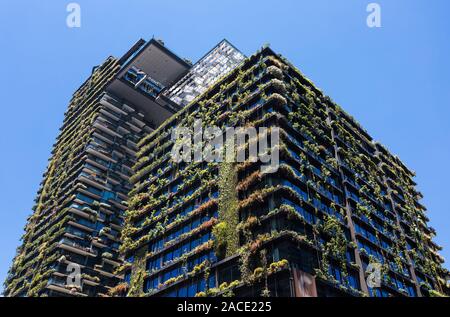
77 216
338 205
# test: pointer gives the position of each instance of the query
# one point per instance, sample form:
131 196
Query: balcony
80 248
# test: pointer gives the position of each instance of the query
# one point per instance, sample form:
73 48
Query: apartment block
71 241
339 209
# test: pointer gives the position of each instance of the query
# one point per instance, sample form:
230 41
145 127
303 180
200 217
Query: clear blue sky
394 80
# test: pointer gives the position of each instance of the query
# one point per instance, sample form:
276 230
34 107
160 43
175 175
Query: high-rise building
71 241
339 212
